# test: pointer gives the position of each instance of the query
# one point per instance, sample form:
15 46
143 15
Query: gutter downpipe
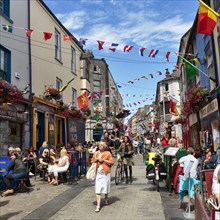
30 78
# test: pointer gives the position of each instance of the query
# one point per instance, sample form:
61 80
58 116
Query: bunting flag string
82 42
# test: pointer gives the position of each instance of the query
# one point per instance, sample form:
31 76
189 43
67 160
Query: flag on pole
141 51
7 28
207 19
65 86
100 44
47 35
191 70
82 100
82 41
173 103
113 47
67 37
28 32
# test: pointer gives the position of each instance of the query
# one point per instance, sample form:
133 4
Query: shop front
48 124
194 130
14 127
210 124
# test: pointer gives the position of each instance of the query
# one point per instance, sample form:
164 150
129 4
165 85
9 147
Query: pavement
138 200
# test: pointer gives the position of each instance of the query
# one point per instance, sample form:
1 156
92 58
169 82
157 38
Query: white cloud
74 20
126 24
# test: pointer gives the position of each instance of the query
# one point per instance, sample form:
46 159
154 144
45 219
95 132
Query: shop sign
209 109
12 115
192 119
44 108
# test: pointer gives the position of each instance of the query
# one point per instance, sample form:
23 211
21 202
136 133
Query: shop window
5 64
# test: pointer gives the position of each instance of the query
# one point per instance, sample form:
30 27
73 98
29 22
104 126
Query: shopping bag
91 173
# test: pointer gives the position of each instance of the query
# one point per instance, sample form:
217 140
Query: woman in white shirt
216 183
61 167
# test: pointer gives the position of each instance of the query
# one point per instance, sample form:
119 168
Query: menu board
171 151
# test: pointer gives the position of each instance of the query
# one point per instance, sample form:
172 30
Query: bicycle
119 172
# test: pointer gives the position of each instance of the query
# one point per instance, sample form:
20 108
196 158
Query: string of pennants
82 41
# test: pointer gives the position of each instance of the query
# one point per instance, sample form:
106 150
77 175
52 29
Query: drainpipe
30 78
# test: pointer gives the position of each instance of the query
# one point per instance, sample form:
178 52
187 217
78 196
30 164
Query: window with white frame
74 95
57 45
59 84
73 60
5 63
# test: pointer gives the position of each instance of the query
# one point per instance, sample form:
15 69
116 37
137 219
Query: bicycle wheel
118 175
122 173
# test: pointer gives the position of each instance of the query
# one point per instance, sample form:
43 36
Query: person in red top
164 141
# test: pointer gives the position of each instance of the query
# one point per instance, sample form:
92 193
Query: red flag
67 37
173 104
167 56
47 35
82 100
101 91
100 44
28 32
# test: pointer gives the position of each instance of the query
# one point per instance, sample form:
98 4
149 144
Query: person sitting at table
60 167
44 161
29 157
19 170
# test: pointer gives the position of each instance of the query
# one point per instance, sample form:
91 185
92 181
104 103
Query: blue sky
153 24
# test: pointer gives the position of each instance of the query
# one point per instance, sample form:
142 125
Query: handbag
91 173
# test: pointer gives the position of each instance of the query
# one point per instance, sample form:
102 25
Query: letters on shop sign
209 109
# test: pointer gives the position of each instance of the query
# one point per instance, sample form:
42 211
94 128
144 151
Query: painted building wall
15 129
45 68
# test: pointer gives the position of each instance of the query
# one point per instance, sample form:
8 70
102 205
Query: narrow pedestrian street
138 200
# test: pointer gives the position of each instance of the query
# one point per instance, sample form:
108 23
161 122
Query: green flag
191 70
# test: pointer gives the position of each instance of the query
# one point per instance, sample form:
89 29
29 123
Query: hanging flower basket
195 100
9 93
52 93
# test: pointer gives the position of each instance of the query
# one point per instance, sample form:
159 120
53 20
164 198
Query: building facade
15 69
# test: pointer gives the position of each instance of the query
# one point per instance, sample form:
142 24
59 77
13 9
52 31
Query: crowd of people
56 161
